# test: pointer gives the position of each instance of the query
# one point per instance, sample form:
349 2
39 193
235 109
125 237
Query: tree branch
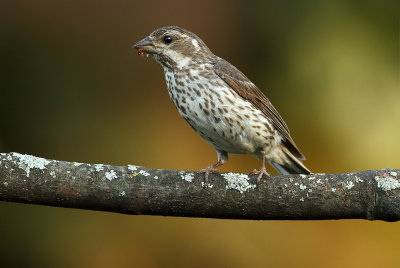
372 194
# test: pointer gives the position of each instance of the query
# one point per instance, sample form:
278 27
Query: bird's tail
291 164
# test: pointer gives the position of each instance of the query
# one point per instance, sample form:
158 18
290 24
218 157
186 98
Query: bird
221 104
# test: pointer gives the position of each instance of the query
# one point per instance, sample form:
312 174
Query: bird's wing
248 91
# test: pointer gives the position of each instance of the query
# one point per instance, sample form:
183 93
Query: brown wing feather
247 90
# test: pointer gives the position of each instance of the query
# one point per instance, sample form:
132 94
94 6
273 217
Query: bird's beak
145 45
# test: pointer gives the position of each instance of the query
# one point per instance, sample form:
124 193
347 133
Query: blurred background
72 88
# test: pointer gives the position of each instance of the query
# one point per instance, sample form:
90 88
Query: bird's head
174 47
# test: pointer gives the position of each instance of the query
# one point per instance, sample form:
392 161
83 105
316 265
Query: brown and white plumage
221 103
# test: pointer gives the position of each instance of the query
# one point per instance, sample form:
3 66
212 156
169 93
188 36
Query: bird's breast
217 113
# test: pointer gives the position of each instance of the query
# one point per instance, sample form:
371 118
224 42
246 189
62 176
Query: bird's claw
207 172
261 173
254 172
210 170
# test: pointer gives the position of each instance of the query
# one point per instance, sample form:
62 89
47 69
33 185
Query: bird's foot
207 171
261 173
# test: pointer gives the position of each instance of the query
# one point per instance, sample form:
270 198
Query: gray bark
371 194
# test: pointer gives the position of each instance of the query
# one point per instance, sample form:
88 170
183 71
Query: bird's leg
262 172
222 158
212 169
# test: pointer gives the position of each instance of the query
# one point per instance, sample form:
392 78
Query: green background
72 88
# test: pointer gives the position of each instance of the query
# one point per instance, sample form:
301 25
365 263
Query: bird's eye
167 39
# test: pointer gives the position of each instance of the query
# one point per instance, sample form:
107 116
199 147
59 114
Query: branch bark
371 194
